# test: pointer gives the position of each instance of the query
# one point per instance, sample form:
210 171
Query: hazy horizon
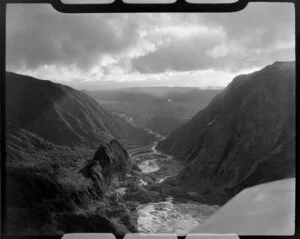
115 51
133 87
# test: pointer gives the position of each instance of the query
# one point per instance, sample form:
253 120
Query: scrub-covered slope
245 136
61 115
64 157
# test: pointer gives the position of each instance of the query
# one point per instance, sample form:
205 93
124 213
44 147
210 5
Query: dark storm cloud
44 36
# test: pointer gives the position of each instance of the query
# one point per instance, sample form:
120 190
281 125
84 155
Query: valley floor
144 201
160 210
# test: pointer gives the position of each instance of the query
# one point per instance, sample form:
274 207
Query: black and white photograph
156 122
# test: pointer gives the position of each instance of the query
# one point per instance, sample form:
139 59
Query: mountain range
161 109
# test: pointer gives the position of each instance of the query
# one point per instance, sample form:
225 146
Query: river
168 215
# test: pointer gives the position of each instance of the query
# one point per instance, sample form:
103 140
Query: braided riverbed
167 215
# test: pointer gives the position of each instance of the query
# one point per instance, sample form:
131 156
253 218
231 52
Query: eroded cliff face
245 136
111 161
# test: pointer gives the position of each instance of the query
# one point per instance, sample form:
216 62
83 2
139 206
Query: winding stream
151 163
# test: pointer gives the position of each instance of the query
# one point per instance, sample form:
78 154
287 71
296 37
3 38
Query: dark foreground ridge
46 201
64 154
244 137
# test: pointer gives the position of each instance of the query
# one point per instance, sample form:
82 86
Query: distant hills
245 136
162 109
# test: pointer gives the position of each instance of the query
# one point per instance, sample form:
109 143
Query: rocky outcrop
58 196
245 136
110 161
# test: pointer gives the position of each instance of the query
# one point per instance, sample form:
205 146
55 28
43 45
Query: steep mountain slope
63 159
245 136
162 109
62 115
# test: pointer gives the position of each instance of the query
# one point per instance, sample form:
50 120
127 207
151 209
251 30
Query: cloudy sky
100 51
